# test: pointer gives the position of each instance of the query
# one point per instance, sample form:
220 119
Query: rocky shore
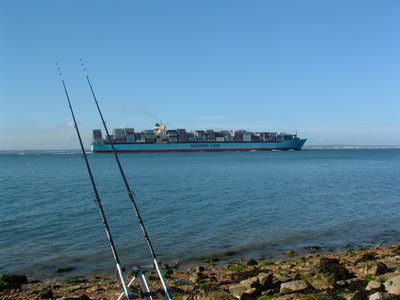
363 273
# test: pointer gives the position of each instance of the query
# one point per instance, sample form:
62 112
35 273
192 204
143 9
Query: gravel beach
362 273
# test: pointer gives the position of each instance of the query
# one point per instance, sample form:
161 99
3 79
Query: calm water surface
194 205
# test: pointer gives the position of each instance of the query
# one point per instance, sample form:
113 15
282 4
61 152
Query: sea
195 206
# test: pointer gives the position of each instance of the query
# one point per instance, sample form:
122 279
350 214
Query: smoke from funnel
145 112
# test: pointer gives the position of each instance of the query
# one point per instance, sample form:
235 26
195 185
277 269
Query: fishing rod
131 194
98 200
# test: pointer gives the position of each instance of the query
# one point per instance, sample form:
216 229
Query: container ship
179 140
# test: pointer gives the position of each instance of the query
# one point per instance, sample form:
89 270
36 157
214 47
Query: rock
168 272
200 275
240 276
281 278
46 293
258 284
211 261
392 286
250 294
74 280
236 267
165 266
394 290
358 295
373 285
64 270
12 281
266 281
348 296
20 279
216 295
333 266
197 277
94 289
74 287
293 286
290 252
252 262
313 248
267 264
373 268
367 257
220 295
83 297
356 284
376 296
238 289
341 283
290 297
205 283
271 292
322 281
379 296
199 269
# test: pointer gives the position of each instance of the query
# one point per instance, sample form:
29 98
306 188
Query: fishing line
98 200
131 194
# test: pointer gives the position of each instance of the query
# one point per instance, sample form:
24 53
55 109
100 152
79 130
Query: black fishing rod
98 201
131 194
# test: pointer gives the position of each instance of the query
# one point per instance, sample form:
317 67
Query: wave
40 152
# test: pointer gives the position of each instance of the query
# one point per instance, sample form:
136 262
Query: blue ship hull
200 147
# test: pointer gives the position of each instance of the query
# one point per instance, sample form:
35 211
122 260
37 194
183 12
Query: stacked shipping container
128 135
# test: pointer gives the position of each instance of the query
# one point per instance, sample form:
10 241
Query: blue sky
328 69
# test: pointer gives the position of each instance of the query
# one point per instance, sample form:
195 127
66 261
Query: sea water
228 205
